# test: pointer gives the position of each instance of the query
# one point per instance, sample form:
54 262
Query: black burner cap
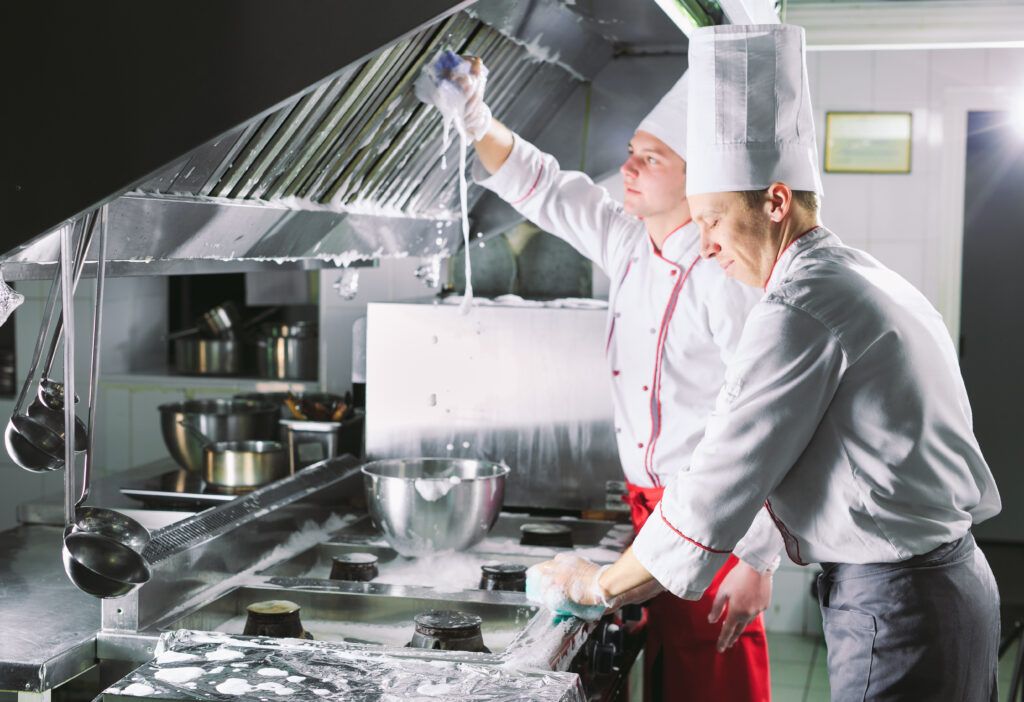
503 576
437 621
360 567
448 630
558 535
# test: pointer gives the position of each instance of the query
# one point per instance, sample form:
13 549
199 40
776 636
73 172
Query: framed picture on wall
867 142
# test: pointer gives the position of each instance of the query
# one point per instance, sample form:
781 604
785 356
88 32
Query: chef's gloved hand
568 585
455 86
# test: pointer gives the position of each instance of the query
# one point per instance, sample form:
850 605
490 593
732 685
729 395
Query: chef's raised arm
566 204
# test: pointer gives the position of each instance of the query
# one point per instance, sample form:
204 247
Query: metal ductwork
351 167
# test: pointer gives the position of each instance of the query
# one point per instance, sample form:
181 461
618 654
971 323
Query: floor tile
791 648
790 674
785 693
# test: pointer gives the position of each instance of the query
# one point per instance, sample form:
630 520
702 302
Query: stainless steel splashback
523 385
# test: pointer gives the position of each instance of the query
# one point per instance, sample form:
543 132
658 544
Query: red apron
681 662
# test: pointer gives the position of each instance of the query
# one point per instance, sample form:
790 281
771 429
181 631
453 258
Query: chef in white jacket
843 410
674 320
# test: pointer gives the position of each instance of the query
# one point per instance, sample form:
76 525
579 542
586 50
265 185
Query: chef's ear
780 201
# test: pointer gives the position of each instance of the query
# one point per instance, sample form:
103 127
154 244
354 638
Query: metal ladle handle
67 300
48 308
83 247
94 365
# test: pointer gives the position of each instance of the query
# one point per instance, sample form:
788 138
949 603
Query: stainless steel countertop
49 626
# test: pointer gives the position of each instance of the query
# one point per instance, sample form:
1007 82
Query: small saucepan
241 464
244 464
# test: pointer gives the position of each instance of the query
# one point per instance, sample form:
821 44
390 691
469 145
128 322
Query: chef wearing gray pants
843 419
882 619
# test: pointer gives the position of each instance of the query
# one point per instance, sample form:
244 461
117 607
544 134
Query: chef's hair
807 199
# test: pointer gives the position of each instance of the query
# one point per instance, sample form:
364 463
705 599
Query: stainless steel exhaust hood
350 168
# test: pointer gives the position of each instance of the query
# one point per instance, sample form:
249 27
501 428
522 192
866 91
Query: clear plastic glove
455 86
567 585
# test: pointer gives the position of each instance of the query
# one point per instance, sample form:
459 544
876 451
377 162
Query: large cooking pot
216 420
426 505
244 464
287 351
195 355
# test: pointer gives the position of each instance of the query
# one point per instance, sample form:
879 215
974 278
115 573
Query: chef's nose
708 248
629 167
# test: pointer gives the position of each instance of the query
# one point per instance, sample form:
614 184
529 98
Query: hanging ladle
30 442
102 551
48 406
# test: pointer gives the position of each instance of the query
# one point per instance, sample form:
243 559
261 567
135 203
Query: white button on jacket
844 408
674 319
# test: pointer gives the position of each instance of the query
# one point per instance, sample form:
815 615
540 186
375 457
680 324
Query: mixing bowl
426 505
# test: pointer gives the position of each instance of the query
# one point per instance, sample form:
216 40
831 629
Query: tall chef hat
750 121
667 121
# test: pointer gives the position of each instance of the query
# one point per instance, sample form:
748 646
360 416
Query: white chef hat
750 121
667 121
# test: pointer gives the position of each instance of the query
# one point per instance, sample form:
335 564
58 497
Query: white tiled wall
896 218
394 279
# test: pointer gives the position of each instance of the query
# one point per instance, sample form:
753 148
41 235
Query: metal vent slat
363 139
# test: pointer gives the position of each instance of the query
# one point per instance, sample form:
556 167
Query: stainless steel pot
287 351
217 420
426 505
244 464
194 355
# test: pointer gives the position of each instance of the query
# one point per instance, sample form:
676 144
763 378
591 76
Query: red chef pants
681 662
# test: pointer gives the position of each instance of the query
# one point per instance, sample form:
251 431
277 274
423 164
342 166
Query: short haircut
806 199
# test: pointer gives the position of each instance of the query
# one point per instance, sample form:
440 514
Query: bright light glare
1017 114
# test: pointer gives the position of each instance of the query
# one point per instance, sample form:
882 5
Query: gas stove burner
275 618
558 535
361 567
503 576
448 630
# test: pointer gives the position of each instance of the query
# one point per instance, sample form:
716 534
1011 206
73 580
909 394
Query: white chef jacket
674 318
844 413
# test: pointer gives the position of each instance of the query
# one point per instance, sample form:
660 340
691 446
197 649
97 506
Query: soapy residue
433 489
179 675
436 86
223 654
137 690
174 657
272 672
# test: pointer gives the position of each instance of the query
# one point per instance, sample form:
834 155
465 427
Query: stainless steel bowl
217 420
426 505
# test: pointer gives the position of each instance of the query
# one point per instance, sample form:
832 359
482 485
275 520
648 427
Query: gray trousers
923 629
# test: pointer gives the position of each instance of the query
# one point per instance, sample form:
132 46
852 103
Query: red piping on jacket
658 362
532 187
661 513
768 279
787 536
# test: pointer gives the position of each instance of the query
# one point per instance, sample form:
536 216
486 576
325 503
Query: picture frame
868 142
